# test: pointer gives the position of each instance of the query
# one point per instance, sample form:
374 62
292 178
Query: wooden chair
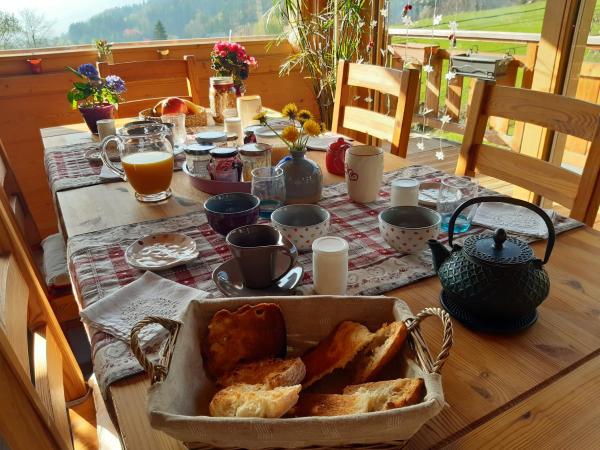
146 80
402 84
38 372
60 295
579 193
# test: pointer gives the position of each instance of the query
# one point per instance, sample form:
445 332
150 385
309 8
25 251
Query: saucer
428 193
228 279
161 251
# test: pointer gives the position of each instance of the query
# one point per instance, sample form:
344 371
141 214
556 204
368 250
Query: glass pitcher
146 160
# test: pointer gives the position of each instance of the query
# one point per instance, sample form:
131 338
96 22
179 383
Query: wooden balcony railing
455 102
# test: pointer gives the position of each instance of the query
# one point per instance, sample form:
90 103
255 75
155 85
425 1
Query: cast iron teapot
493 282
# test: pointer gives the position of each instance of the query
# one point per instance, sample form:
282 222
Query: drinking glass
453 192
178 121
268 185
248 106
146 160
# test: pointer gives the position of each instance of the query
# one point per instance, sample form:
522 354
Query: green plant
320 39
93 90
103 47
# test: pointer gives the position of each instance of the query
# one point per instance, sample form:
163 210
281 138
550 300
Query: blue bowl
226 212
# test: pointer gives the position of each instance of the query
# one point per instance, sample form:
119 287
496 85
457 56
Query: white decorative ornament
453 26
421 145
383 51
368 100
356 97
373 23
360 61
450 76
384 12
361 24
437 19
425 111
406 20
427 68
439 155
445 119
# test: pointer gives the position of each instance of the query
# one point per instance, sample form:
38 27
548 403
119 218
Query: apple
174 105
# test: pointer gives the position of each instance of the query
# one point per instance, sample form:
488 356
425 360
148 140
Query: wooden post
560 19
528 66
434 80
453 96
574 69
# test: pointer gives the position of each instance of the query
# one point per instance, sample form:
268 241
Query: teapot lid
498 248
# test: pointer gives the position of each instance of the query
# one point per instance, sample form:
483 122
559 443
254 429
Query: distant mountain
180 18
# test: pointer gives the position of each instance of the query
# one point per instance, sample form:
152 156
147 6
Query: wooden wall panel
30 102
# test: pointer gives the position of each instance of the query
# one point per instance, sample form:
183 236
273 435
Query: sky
63 12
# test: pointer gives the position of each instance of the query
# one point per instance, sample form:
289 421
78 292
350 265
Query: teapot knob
499 238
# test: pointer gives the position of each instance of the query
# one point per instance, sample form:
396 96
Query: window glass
42 23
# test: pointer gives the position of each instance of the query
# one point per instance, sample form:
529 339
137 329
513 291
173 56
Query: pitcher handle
106 160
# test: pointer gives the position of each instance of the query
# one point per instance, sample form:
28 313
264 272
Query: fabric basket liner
178 405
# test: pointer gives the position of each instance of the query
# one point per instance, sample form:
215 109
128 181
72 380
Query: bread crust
247 400
250 333
374 357
335 351
329 405
390 394
270 372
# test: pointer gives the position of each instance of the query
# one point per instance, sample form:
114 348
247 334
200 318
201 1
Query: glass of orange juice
146 160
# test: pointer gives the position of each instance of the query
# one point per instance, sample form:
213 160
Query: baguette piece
384 395
374 357
330 405
254 400
270 372
250 333
335 351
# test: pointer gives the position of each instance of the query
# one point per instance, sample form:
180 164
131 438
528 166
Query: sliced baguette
383 395
335 351
254 400
330 405
270 372
250 333
374 357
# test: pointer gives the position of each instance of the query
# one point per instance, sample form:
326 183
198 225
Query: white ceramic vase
364 172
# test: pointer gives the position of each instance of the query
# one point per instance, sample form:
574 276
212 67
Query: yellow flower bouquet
302 126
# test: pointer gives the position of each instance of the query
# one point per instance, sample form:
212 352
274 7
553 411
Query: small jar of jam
225 164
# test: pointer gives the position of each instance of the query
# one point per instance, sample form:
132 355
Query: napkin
107 174
512 218
149 295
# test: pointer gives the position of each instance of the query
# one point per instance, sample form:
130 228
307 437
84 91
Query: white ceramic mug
364 172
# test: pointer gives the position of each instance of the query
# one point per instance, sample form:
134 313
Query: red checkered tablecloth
98 263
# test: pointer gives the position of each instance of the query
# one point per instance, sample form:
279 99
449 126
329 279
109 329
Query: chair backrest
171 77
38 371
12 190
580 193
402 84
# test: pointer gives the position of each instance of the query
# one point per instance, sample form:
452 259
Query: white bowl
301 224
407 228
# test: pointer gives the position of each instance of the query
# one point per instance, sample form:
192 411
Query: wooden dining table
539 388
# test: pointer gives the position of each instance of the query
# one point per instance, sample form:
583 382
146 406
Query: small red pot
334 160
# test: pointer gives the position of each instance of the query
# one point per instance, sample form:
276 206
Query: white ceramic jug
364 172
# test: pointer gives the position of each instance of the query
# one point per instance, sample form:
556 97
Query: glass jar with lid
254 156
197 157
225 164
222 97
216 138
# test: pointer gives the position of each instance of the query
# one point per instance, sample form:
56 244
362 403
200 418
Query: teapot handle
512 201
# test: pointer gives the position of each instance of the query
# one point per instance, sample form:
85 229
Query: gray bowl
226 212
301 224
408 228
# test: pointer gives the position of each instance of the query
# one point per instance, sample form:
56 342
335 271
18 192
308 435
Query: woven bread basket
191 120
180 392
